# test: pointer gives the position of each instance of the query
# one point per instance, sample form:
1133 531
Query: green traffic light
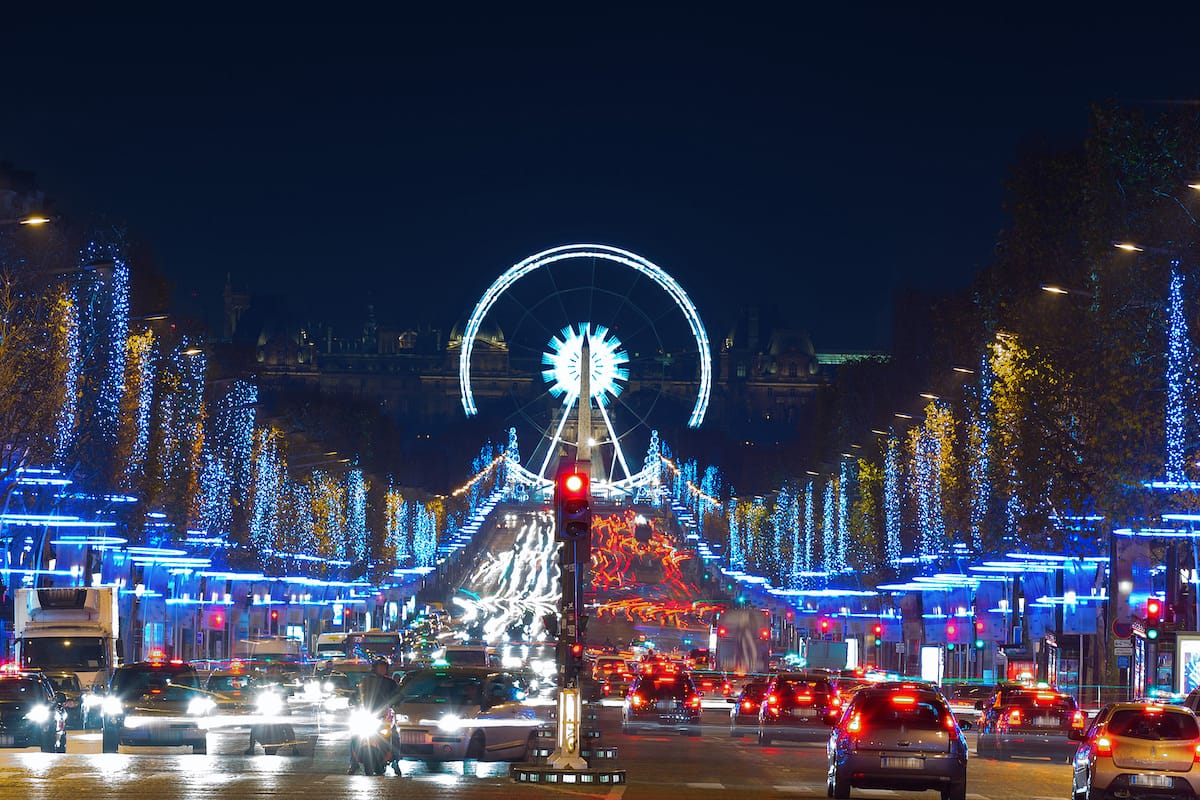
878 641
979 644
950 645
1152 633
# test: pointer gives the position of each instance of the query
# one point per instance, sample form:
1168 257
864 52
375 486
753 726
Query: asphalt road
657 767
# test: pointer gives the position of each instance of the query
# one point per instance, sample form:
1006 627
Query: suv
157 703
662 699
1031 722
31 712
800 706
893 737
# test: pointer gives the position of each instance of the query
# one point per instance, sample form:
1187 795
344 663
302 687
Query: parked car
891 737
1138 750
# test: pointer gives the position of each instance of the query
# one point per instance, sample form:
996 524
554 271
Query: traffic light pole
574 558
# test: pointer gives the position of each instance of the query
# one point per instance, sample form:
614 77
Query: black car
151 703
31 712
798 706
743 717
894 737
1031 722
662 699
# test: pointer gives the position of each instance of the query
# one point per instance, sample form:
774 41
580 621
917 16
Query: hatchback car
155 702
31 712
662 700
1138 750
798 706
743 716
66 683
1034 722
897 738
456 713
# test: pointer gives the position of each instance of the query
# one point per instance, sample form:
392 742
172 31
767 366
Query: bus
375 643
330 645
741 640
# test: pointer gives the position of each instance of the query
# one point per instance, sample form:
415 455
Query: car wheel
110 738
763 739
476 748
956 792
840 787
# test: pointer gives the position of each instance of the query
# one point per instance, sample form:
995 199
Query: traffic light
572 500
216 620
824 625
878 634
979 628
274 620
1154 613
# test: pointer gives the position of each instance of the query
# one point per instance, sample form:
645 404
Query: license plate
800 713
1045 722
902 762
1152 781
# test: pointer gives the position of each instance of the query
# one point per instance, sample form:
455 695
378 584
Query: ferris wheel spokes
619 454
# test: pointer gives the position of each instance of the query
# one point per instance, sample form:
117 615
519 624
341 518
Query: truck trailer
73 629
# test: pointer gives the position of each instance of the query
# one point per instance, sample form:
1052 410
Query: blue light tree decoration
781 518
513 490
356 516
891 501
651 463
843 514
1178 359
233 433
395 522
265 493
66 325
215 512
926 490
737 552
794 525
141 364
828 530
979 465
114 309
424 536
810 525
305 524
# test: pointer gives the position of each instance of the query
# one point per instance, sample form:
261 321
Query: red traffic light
951 629
722 631
274 615
1153 608
824 626
878 629
575 483
979 626
577 649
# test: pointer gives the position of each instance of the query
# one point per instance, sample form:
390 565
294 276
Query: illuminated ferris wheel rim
607 253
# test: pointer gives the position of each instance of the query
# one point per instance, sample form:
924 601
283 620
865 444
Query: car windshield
138 680
70 652
754 691
66 683
233 683
664 686
815 686
1044 702
25 689
894 710
442 688
1140 724
172 693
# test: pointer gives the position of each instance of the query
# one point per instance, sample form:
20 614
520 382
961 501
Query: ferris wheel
649 361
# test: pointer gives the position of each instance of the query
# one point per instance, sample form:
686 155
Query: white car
457 713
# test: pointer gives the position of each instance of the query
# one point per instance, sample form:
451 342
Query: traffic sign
1123 647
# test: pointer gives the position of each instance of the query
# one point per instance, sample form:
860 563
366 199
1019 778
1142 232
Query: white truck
68 629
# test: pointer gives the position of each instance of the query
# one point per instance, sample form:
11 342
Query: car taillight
1014 717
854 726
772 700
1103 746
804 698
1078 720
747 705
1196 755
903 699
694 701
950 723
635 700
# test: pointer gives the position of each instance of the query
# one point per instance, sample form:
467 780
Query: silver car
897 738
456 713
1138 750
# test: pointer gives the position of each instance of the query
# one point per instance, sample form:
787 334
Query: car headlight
112 707
38 714
269 703
199 706
364 723
450 723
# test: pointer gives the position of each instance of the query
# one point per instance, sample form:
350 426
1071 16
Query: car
799 707
258 697
66 683
1137 750
966 701
155 702
606 666
743 714
663 700
462 713
31 712
890 737
715 684
1031 722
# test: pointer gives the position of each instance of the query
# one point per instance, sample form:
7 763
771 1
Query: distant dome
489 333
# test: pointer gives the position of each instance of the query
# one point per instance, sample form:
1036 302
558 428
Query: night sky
819 160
